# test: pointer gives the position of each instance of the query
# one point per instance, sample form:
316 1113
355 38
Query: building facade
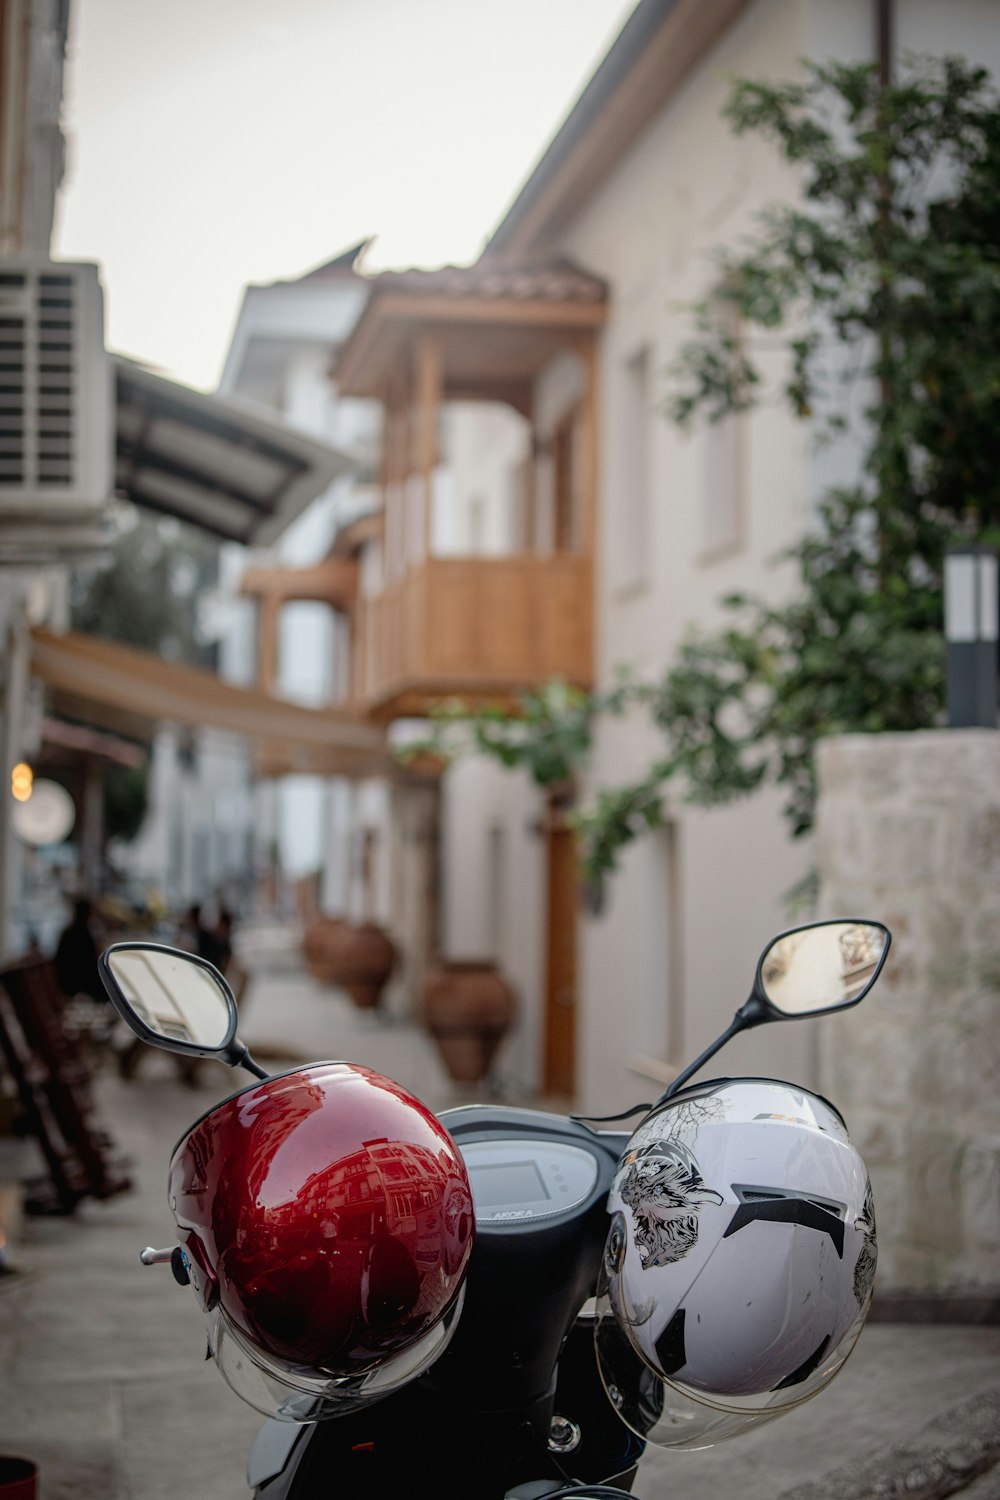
685 520
530 515
641 184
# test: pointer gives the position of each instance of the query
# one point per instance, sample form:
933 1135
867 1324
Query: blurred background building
93 446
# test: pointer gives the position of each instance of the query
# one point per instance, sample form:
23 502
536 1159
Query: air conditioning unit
56 391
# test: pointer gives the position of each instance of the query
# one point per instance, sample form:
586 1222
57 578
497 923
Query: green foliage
887 269
883 275
146 594
615 817
549 737
126 798
547 733
891 254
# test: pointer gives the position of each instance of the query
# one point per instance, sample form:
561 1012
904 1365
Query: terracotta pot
468 1009
357 957
319 947
368 956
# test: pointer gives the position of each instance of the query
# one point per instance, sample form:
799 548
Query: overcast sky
218 142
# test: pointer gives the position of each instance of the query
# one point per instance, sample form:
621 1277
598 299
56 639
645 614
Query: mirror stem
738 1023
239 1057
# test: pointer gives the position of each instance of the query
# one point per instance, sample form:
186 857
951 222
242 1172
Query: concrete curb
949 1455
934 1307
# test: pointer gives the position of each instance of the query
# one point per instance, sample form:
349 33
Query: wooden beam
389 318
333 581
517 394
268 613
524 312
352 537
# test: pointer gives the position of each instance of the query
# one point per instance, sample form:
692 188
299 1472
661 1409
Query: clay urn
468 1009
367 956
355 956
319 947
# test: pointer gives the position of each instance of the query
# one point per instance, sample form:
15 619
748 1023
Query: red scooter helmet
325 1220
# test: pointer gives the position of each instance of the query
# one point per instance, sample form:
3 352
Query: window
632 520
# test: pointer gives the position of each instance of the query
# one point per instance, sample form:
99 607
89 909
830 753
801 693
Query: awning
209 460
130 692
61 739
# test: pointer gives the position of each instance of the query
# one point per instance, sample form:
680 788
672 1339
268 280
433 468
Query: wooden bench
54 1086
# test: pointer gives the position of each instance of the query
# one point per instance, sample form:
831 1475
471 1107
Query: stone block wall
908 832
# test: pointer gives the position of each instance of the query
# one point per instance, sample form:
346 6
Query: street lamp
971 626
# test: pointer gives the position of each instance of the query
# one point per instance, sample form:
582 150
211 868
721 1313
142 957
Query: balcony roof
521 314
226 467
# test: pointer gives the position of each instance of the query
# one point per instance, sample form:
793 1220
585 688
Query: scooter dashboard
523 1181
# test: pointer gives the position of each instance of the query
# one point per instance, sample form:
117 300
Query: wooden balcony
427 626
482 628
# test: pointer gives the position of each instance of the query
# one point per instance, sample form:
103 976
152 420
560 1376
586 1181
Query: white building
641 183
283 343
56 432
537 517
78 427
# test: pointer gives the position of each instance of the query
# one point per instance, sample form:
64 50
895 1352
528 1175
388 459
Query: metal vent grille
746 1194
38 342
54 385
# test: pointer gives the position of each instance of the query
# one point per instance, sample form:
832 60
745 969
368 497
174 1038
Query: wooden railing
481 626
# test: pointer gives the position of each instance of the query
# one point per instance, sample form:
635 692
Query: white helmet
740 1263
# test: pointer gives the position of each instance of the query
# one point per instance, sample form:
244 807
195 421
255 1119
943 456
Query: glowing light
21 781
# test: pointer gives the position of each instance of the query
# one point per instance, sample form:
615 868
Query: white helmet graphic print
740 1263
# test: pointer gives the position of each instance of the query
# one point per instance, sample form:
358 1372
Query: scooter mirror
822 966
170 998
825 966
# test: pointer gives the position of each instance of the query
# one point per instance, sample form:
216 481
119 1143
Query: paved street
104 1384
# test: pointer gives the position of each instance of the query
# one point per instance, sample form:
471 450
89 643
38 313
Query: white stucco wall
492 895
482 445
686 187
846 30
280 357
671 958
716 883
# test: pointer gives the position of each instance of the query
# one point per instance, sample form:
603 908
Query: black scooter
514 1408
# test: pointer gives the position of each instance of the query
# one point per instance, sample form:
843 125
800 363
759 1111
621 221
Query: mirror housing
815 969
174 1000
